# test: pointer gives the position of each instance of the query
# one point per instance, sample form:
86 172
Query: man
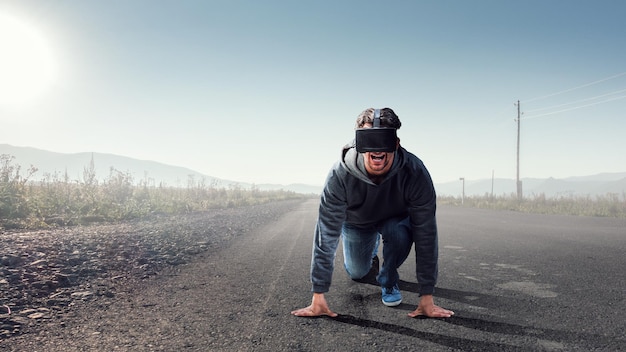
376 189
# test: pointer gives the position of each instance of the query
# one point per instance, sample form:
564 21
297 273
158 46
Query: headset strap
376 118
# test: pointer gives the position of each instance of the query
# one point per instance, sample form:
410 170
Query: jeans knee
357 273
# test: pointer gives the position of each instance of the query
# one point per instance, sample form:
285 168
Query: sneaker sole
392 304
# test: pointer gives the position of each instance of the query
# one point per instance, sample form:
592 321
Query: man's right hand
317 308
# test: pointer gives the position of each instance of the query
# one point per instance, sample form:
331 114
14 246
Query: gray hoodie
350 196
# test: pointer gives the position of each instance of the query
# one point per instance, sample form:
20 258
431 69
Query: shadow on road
464 319
485 326
449 341
489 301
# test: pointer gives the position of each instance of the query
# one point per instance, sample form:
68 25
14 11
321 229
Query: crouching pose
376 190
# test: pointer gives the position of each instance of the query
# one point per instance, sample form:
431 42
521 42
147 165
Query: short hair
388 118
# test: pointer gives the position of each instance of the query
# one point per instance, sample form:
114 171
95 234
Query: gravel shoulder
68 288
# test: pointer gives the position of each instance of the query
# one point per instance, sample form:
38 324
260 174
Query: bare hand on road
317 308
428 308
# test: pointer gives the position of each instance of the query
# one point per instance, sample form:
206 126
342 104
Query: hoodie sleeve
424 227
328 230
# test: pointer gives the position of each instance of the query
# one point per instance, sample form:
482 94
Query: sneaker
392 296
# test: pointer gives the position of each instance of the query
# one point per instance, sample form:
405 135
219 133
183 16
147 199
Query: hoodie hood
354 162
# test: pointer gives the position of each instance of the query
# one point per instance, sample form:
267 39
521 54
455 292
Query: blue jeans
360 245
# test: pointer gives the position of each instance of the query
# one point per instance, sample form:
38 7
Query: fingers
434 312
310 312
331 314
415 313
441 313
304 312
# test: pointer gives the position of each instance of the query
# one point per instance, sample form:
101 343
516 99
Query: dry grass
59 201
609 205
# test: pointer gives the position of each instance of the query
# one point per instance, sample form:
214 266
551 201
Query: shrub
608 205
58 201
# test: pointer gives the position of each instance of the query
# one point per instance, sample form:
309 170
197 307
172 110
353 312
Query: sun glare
27 68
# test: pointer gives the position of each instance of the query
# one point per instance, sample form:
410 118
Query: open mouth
378 157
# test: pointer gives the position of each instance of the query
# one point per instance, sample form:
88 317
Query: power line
577 101
518 120
578 87
574 108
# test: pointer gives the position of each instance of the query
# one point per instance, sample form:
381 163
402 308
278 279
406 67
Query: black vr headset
376 139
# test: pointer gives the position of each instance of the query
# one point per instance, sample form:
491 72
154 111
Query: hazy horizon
267 92
60 163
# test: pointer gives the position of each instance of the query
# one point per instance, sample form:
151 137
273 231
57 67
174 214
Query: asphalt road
517 282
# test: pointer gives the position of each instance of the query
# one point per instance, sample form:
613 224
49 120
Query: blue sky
268 91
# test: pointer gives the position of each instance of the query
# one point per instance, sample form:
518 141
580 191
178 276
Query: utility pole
463 192
492 175
518 182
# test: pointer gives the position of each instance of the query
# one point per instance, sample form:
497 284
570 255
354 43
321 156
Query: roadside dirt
52 281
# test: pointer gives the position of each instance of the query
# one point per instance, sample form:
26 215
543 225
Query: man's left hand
427 308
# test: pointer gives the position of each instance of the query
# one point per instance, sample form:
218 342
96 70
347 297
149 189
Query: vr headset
376 139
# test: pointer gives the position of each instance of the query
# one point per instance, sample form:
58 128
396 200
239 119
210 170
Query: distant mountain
579 186
51 163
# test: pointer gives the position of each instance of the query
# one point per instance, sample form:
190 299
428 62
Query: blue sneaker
392 296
